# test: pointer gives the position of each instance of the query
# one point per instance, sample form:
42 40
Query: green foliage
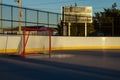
60 29
110 16
79 29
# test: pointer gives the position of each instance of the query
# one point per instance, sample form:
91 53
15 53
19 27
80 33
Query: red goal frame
25 39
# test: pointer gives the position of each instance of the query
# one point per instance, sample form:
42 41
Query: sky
55 5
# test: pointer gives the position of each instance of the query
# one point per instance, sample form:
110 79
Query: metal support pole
64 25
37 18
11 20
64 29
20 15
85 29
69 24
48 18
1 16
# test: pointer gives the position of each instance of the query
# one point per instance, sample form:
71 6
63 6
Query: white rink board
11 43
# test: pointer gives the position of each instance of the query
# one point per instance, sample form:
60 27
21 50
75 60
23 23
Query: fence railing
9 15
9 22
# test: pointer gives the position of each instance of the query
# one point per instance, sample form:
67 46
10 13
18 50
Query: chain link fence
9 18
9 22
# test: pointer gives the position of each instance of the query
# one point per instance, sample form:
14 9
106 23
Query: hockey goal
36 41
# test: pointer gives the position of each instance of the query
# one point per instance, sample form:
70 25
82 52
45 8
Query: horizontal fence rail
62 24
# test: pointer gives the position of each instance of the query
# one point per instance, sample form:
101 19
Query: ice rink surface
63 65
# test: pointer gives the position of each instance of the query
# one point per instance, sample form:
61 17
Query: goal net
36 41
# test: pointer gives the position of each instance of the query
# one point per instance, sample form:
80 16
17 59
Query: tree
110 16
60 28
